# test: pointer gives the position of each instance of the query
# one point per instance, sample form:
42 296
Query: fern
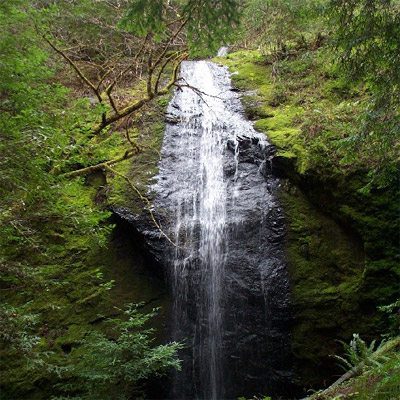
359 354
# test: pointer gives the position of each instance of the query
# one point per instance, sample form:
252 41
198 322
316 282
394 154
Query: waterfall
223 51
221 212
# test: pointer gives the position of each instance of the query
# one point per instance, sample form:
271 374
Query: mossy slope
89 269
341 240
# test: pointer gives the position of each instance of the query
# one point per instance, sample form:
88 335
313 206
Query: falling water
223 51
201 207
212 198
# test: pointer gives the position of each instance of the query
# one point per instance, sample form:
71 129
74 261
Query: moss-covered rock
148 133
341 239
326 265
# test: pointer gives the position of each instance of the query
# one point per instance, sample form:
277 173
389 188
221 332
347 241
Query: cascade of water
223 51
214 194
202 206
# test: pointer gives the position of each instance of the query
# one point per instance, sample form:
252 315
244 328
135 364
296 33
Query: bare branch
150 75
111 99
93 168
128 137
140 103
104 76
145 200
107 117
80 74
75 67
170 41
174 77
174 57
199 92
110 87
123 113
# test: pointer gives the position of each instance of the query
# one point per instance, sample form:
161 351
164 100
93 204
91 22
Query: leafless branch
101 166
175 56
167 46
145 200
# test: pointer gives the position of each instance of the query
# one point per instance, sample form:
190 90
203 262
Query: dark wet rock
255 308
281 166
172 118
148 235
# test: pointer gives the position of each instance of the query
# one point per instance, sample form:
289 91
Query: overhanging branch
75 67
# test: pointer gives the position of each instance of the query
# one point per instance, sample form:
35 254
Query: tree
209 23
70 79
148 43
367 37
109 368
277 25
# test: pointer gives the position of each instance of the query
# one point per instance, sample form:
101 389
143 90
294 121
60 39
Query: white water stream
206 196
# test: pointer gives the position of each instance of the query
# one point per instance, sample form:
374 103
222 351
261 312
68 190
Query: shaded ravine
216 197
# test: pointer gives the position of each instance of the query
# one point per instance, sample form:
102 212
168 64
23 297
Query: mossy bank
87 267
341 230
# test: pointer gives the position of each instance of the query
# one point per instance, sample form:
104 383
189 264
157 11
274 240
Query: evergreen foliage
361 39
367 36
209 23
115 366
301 96
357 352
52 228
280 25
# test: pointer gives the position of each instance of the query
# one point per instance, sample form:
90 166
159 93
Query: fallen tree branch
195 89
359 368
93 168
145 200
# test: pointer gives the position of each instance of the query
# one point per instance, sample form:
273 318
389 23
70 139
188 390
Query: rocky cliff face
337 242
340 243
253 309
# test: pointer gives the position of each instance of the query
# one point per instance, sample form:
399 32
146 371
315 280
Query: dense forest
257 270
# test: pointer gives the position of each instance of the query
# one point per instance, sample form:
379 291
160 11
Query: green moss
276 117
144 166
340 246
83 272
249 72
326 266
340 243
281 132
